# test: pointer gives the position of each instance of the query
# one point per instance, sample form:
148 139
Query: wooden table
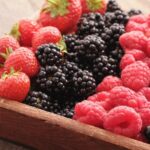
13 10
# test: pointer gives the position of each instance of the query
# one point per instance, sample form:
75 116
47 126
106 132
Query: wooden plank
47 131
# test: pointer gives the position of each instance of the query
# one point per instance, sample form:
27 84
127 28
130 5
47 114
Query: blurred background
13 10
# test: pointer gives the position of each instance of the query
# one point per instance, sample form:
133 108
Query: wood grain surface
13 10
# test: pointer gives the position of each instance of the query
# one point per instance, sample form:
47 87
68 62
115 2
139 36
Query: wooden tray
46 131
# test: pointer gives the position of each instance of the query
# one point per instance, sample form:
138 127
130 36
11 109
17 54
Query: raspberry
148 48
133 40
139 19
136 76
108 83
126 60
133 26
124 96
147 61
146 92
90 113
137 54
145 115
123 120
107 104
99 97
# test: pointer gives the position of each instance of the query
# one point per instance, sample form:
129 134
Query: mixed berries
82 59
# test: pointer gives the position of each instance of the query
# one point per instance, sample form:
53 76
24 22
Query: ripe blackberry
91 23
72 57
83 84
38 99
90 47
112 6
103 66
147 133
111 35
52 80
117 16
49 54
134 12
70 41
69 68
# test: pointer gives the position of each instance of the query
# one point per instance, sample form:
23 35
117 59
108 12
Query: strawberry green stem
94 5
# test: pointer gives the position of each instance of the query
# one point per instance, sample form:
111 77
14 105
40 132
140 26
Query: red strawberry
7 42
63 14
23 59
14 86
46 35
94 6
1 70
24 30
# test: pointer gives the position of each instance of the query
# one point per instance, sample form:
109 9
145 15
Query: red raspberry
108 83
123 120
126 60
139 19
124 96
133 40
107 104
90 112
146 92
145 115
137 54
101 96
147 61
1 70
133 26
136 76
148 47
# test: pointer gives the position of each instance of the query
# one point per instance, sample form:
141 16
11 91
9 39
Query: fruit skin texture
7 42
45 35
136 76
146 92
108 83
94 6
123 120
63 21
89 112
24 31
23 59
15 86
133 40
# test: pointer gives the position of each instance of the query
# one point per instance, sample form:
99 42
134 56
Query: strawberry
23 59
1 70
7 42
46 35
24 30
94 6
63 14
14 86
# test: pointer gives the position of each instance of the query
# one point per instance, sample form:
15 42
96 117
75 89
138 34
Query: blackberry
38 99
70 41
103 66
147 133
111 35
72 57
49 54
90 47
52 80
117 16
134 12
112 6
91 23
69 68
83 84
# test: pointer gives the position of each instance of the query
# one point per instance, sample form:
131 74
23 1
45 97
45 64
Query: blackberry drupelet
83 84
38 99
103 66
52 80
90 47
117 16
134 12
49 54
112 6
147 133
111 35
72 57
91 23
70 40
69 69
